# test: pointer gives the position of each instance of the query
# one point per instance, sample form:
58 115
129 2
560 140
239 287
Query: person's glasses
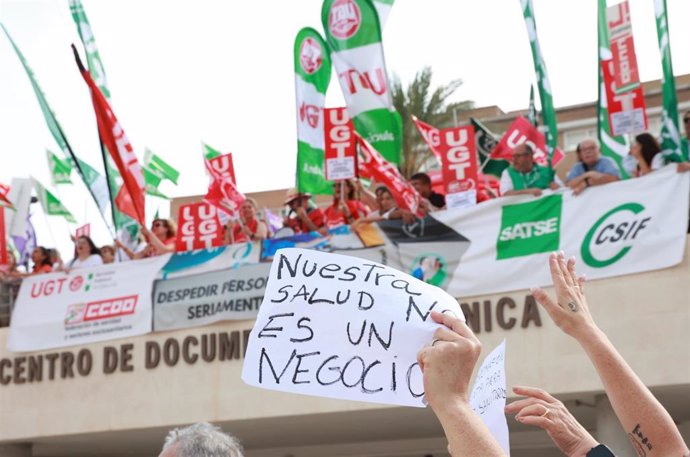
158 224
523 154
686 120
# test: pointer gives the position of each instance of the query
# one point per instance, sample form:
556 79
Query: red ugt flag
4 200
430 135
373 164
222 191
523 131
130 198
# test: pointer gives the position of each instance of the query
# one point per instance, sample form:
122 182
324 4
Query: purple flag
25 244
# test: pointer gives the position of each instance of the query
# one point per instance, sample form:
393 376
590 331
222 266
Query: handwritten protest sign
342 327
488 397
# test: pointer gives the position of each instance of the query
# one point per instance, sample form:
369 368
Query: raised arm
649 426
447 365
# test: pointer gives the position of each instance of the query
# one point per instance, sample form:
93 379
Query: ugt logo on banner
339 145
200 227
459 158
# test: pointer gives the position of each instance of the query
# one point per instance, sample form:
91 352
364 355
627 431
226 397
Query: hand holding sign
343 327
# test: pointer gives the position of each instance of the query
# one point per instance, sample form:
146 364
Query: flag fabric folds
51 205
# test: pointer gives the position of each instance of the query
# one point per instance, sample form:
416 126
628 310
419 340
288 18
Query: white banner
84 306
342 327
616 229
191 301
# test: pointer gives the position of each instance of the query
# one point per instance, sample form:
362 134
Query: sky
221 72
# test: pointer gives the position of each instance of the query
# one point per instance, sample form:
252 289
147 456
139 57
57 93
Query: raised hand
540 409
570 311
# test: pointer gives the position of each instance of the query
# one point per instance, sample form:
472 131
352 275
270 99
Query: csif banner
353 33
312 63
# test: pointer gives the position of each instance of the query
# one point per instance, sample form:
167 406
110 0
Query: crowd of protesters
356 206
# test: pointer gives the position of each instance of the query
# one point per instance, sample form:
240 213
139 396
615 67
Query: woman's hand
570 311
542 410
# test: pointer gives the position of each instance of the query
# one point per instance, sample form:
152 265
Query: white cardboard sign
488 397
342 327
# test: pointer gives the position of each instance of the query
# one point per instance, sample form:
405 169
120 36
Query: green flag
89 41
548 112
152 181
353 33
60 170
614 147
532 115
312 75
51 205
160 167
209 152
55 129
671 146
486 142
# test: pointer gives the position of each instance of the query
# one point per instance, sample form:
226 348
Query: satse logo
530 228
611 237
310 56
344 19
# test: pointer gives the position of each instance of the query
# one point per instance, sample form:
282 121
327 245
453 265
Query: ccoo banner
84 306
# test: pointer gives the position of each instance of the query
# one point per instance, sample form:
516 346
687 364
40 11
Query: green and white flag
51 205
532 114
89 41
160 167
671 146
614 147
383 8
60 170
353 33
152 181
209 152
548 112
56 130
312 75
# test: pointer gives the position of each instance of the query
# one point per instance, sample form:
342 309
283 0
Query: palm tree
431 107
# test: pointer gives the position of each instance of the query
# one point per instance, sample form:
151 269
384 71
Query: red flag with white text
340 149
84 230
130 198
430 135
199 227
371 163
3 240
222 191
523 131
458 158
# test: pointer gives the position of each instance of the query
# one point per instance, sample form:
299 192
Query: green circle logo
585 250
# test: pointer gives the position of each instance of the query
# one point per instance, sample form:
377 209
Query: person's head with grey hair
201 440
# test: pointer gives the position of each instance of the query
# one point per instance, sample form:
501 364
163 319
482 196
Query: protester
249 227
107 253
592 169
40 256
303 217
160 240
524 176
422 183
86 254
385 204
9 270
56 260
542 410
201 440
647 152
648 424
447 365
346 208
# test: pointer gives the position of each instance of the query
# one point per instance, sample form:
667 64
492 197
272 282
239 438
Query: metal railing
9 288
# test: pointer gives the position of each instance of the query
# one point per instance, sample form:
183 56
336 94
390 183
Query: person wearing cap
303 218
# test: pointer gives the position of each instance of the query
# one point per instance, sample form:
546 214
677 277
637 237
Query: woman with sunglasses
160 240
249 227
